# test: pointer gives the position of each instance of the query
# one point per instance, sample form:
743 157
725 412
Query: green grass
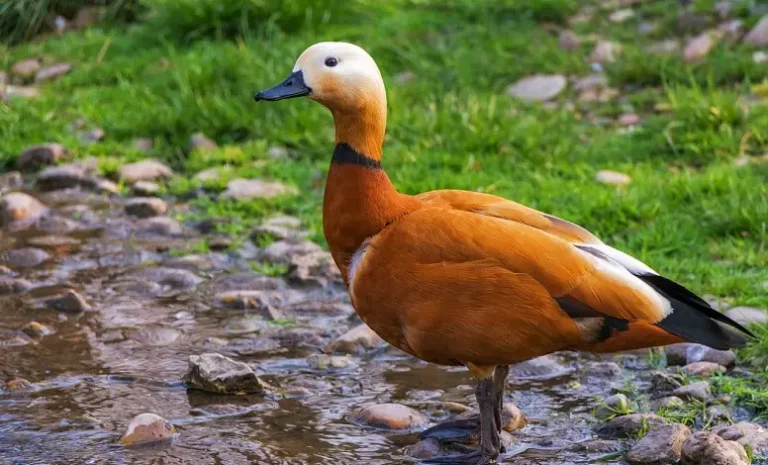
187 66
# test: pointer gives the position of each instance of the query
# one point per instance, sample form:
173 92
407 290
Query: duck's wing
439 263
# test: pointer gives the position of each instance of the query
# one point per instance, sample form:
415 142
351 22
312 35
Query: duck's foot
464 431
475 457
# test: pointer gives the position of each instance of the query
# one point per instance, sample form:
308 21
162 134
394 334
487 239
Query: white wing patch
623 268
354 265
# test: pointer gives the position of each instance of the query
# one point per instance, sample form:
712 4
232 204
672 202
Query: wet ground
148 309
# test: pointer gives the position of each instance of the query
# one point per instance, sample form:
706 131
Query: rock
18 206
647 27
145 207
612 177
11 337
248 189
173 278
698 47
159 226
52 72
731 30
278 228
248 280
405 77
145 170
703 368
143 144
209 174
71 176
16 385
747 315
94 135
758 36
603 369
13 286
41 155
69 302
593 81
695 391
277 152
628 425
620 16
10 180
145 188
760 57
628 119
217 373
155 335
605 52
614 405
747 434
718 414
357 340
569 41
35 329
26 257
540 87
200 142
146 429
666 403
705 448
686 353
58 244
18 92
393 417
661 446
512 418
424 449
27 68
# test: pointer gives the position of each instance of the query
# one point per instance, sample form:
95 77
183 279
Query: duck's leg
489 429
499 384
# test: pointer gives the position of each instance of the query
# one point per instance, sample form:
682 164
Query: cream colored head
339 75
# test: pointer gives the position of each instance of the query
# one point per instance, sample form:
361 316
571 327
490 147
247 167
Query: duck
464 278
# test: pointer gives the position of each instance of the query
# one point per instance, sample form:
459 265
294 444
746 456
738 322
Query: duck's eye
331 62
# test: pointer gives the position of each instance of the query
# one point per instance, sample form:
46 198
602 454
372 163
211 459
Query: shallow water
127 356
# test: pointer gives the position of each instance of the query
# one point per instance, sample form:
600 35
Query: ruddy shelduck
464 278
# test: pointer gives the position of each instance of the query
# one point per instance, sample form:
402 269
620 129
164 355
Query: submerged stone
217 373
393 417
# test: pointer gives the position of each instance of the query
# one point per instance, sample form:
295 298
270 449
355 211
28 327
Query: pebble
699 390
52 72
603 369
200 141
614 405
13 286
686 353
357 340
18 92
605 52
209 174
12 338
708 448
145 170
18 206
760 57
248 189
628 119
512 418
35 329
698 47
155 335
758 36
327 362
159 225
612 177
540 87
620 16
146 429
217 373
593 81
16 385
10 180
718 414
747 315
393 417
628 425
665 47
41 155
174 278
731 30
747 434
703 368
26 257
661 446
277 152
666 403
94 135
145 207
26 68
145 188
143 144
569 41
69 302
